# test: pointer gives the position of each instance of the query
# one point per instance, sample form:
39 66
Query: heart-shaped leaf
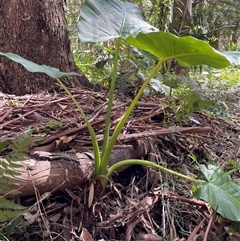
186 50
220 192
107 19
33 67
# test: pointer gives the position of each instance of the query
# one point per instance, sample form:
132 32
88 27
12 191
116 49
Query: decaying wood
52 171
47 172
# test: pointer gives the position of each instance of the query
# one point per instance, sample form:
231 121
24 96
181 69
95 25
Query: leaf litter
139 203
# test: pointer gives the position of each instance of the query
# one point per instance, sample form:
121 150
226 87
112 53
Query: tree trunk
37 31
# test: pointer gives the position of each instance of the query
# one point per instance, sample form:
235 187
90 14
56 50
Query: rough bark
37 31
48 172
52 172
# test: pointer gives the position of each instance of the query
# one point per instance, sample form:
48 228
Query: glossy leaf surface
33 67
186 50
107 19
220 192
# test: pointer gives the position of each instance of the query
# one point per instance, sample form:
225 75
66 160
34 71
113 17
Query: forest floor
139 203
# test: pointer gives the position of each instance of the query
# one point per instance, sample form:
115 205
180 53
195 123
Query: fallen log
46 172
50 171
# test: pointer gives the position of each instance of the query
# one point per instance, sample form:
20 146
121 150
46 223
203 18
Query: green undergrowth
222 89
10 212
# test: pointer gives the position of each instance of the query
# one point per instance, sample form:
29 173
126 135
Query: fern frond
13 172
6 215
4 164
8 174
4 190
8 180
4 144
7 204
19 148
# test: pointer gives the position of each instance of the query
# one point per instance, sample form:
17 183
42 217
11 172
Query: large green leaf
33 67
186 50
220 192
107 19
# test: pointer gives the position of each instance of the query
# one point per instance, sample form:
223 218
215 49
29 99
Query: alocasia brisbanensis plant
106 19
